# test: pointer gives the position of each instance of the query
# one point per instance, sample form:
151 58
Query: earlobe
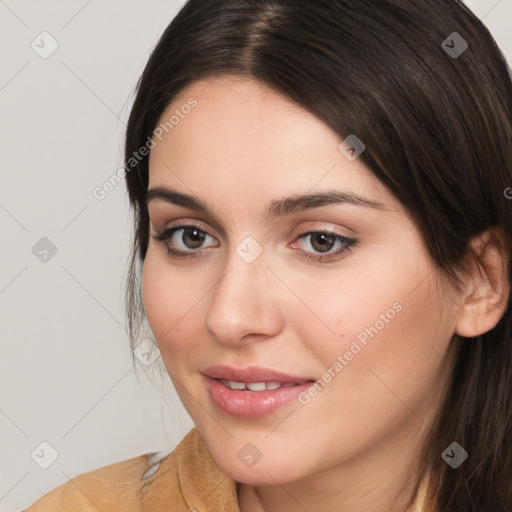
488 289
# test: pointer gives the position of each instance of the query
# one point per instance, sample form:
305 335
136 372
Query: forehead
245 139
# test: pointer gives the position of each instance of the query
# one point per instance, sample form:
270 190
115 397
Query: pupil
197 237
326 240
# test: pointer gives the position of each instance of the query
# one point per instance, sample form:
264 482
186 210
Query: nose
245 304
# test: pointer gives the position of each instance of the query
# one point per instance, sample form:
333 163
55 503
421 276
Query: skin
354 447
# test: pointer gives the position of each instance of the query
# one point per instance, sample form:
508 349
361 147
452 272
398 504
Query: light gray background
66 373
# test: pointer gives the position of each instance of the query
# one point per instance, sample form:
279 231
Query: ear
488 287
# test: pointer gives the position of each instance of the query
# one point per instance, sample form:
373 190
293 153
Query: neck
385 478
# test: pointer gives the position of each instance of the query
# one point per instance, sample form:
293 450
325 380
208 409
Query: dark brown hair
437 127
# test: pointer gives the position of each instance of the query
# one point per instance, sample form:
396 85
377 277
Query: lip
252 404
251 374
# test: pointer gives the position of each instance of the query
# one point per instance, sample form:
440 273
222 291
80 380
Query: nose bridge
243 301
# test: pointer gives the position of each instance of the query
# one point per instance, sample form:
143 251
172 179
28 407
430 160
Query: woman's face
343 294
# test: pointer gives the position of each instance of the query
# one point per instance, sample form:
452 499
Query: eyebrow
277 208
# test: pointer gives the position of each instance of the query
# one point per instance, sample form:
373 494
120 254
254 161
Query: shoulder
181 479
121 486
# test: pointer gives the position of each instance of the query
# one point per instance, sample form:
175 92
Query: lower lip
252 404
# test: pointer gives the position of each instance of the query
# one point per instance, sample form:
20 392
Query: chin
259 474
268 469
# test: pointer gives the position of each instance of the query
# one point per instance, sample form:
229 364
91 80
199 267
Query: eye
185 241
191 237
324 242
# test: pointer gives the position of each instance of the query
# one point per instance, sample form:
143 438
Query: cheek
171 303
392 339
348 304
391 321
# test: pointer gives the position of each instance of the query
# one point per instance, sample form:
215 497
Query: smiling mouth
256 399
252 392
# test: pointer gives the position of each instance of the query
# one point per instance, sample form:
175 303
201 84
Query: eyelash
166 235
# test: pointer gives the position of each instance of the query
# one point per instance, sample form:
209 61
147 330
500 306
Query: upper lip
251 374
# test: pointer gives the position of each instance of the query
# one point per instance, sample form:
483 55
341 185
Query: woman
321 197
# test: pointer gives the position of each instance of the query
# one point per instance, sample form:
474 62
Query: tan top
184 480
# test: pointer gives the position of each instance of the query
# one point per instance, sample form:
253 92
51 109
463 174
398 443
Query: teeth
236 385
256 386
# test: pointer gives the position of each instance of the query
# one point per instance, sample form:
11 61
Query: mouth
258 386
252 392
